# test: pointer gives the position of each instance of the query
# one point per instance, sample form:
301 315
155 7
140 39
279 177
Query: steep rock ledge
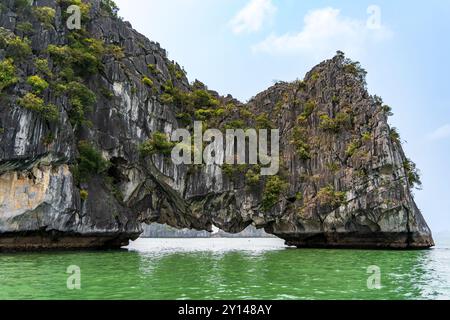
73 173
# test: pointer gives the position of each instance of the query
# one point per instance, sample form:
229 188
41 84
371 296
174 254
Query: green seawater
226 269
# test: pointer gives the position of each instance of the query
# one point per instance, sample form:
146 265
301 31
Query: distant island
163 231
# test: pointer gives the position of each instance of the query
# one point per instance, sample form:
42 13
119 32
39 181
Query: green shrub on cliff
204 114
275 186
81 60
85 7
85 60
22 5
333 167
48 139
176 72
235 125
106 93
303 150
341 121
352 147
110 7
308 110
366 137
328 196
157 144
387 110
84 194
81 100
184 117
147 81
42 67
83 55
167 99
37 83
116 51
58 53
78 91
16 47
7 74
315 76
412 174
300 141
179 75
253 176
45 15
188 101
263 122
32 102
153 69
174 96
335 100
229 170
327 123
354 68
90 162
394 135
203 99
25 27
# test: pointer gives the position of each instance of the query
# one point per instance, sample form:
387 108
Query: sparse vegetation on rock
45 15
157 144
32 102
275 186
37 83
8 75
328 196
89 163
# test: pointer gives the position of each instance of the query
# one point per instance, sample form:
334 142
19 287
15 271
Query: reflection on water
226 269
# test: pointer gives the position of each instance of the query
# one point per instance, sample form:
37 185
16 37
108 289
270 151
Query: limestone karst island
85 153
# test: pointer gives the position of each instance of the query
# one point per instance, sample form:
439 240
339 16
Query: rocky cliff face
83 155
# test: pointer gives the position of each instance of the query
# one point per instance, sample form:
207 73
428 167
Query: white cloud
440 133
253 16
324 32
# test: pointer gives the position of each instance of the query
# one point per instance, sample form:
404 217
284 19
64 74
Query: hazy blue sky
242 46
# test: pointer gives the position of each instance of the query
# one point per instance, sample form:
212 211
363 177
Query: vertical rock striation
83 162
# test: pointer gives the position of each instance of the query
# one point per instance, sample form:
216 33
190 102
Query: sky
241 47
